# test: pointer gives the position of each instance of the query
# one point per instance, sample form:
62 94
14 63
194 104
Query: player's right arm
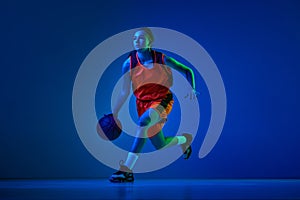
171 62
125 90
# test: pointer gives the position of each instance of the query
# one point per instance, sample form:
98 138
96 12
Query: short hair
149 33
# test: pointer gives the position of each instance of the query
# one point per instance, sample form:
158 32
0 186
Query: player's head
143 39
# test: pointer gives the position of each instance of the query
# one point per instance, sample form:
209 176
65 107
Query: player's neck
144 55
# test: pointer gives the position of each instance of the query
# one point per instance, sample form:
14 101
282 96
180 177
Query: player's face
141 40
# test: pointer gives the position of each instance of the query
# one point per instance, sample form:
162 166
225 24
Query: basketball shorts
162 106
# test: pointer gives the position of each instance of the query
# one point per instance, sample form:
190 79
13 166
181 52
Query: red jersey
150 83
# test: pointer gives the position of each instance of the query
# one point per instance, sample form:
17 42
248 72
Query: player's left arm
189 73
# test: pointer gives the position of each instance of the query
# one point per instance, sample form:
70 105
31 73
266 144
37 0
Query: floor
150 189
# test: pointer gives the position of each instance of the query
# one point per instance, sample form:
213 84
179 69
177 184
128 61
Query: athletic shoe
186 147
123 175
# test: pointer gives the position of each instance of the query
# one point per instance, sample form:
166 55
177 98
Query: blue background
255 45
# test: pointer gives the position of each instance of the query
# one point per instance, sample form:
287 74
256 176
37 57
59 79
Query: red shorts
163 107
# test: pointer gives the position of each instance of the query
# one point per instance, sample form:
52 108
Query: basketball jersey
153 83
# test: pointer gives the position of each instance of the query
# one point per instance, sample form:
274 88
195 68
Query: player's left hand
192 95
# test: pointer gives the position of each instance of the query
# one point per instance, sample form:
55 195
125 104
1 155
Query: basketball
109 128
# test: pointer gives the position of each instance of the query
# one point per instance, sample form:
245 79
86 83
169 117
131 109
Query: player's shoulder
127 62
167 59
160 53
126 65
157 52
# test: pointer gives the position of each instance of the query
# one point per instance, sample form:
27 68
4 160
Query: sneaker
186 147
123 175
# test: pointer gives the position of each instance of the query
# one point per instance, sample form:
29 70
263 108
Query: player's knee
142 132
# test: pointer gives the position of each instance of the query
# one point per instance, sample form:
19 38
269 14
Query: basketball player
148 73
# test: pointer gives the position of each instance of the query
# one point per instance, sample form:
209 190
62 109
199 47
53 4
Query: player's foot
186 147
123 175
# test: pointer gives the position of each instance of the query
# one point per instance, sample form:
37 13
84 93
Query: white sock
181 139
131 160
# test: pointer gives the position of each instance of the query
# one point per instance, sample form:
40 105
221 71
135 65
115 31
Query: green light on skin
182 68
